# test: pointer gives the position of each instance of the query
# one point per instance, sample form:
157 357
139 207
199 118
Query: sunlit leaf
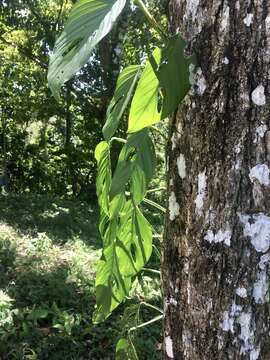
88 23
125 350
144 107
162 86
111 286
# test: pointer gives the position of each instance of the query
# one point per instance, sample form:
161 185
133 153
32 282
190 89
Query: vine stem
118 139
157 318
150 18
154 204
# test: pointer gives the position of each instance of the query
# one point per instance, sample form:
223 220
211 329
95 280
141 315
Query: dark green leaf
134 245
136 162
103 182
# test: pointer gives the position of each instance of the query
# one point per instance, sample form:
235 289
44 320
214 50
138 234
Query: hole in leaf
133 252
72 46
160 101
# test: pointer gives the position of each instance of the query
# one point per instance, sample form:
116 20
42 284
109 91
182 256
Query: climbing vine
154 91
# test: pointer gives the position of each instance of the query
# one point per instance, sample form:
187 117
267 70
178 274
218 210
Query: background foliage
49 244
49 146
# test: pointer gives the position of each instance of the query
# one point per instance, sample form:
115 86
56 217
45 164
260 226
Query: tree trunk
217 238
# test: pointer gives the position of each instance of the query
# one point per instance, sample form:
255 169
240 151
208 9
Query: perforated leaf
124 89
136 163
134 245
103 181
88 23
111 286
127 246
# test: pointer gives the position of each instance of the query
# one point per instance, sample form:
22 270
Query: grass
49 248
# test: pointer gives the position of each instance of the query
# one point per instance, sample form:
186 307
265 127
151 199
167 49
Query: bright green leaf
111 286
125 350
163 85
103 181
88 23
144 107
124 89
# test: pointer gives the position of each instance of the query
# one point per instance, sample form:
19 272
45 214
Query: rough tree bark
216 248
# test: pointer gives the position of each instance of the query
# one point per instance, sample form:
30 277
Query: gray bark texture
216 256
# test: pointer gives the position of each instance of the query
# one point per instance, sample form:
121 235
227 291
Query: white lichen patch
246 336
242 292
192 74
229 317
261 130
258 96
174 141
264 261
254 354
181 165
200 82
228 322
220 237
260 288
248 20
172 301
246 332
257 228
236 316
267 24
202 184
261 173
173 207
169 346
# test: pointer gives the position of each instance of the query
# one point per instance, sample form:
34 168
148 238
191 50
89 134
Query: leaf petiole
151 19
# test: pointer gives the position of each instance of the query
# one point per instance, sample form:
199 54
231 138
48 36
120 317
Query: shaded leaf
136 163
134 245
124 88
103 181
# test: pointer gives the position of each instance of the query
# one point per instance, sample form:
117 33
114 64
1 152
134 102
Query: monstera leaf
136 163
103 181
127 246
111 285
88 23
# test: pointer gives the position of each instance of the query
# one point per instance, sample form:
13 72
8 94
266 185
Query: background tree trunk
216 248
